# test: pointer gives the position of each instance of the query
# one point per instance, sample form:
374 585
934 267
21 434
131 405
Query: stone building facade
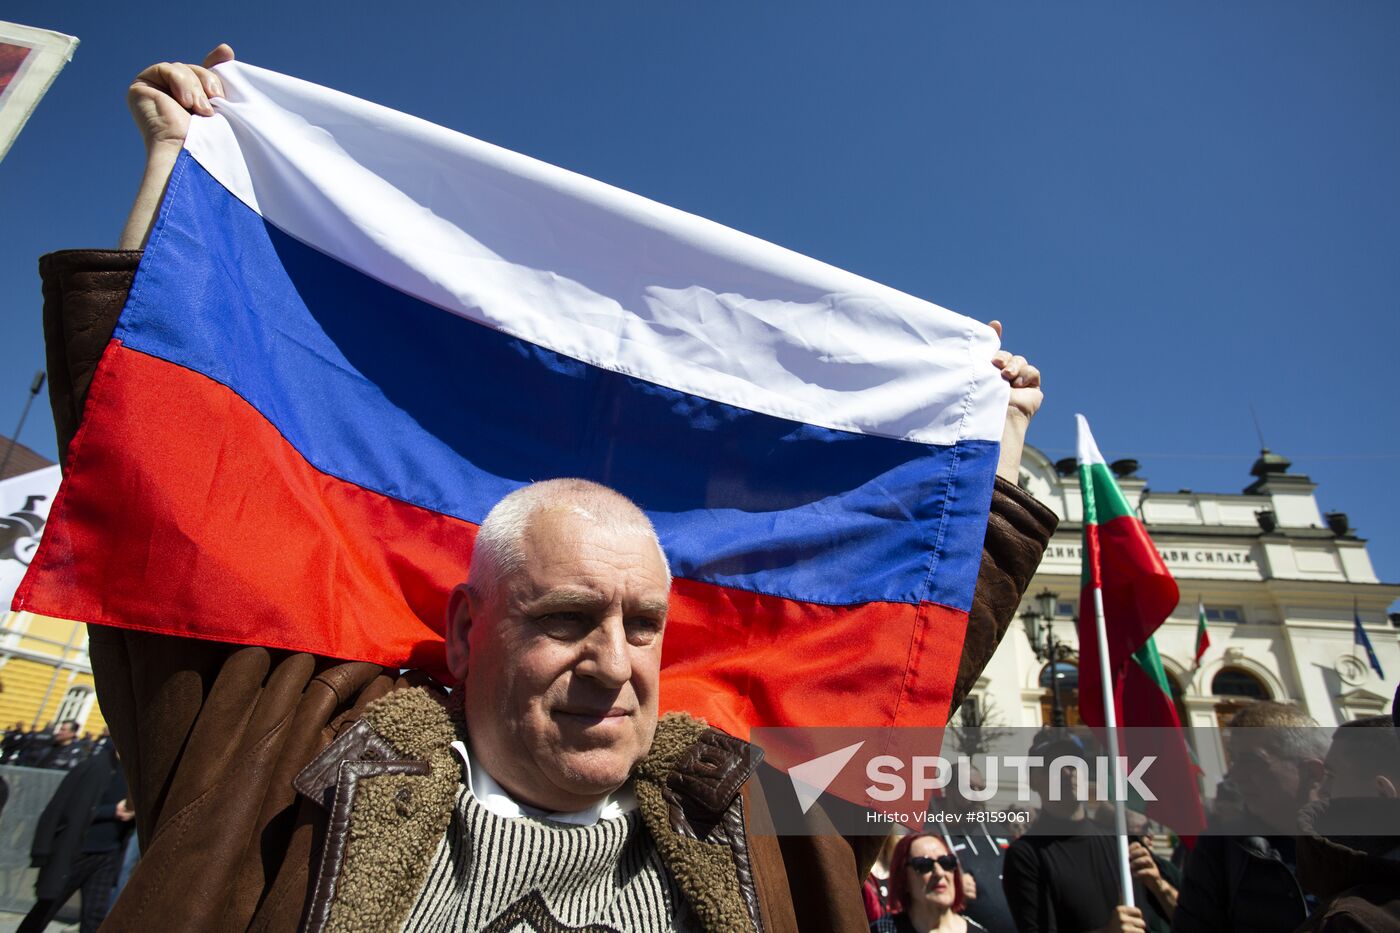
1279 581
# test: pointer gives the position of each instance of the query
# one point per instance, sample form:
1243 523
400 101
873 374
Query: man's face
562 666
64 734
1271 784
1346 773
1049 783
1341 777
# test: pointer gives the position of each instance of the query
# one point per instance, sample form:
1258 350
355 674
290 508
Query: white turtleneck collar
495 799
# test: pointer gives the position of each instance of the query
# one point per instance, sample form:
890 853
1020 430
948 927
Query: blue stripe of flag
384 391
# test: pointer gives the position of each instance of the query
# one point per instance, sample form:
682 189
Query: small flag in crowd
377 327
1121 561
1202 635
1360 637
1137 593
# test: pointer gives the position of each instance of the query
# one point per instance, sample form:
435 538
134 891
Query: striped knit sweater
493 873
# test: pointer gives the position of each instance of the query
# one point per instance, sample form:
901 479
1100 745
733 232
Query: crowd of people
83 836
59 746
1302 837
1280 853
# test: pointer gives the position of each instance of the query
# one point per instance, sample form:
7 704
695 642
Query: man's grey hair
499 549
1286 729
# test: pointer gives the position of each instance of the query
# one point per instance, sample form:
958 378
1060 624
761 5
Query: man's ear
459 623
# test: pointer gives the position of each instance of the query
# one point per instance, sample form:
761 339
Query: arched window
1236 687
1066 675
1239 683
76 705
1066 672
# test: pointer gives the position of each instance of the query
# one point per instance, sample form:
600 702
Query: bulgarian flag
1124 573
1202 635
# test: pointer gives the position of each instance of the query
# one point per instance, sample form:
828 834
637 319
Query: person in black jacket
1246 881
1349 850
58 750
1062 875
78 843
16 738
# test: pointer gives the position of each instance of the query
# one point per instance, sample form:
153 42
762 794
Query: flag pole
1200 611
1110 720
1355 621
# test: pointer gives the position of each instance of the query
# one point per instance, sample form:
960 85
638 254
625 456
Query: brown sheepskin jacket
390 805
212 736
1356 879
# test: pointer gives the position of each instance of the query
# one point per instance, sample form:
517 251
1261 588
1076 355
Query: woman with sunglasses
926 889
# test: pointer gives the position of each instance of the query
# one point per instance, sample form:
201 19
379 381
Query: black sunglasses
922 863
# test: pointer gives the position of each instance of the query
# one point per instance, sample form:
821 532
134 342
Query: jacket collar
688 791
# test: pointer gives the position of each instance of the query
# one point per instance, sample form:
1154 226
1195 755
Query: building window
1240 684
1066 674
1066 609
1224 614
76 705
1236 688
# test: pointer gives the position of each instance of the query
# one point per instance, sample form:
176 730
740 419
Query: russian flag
353 331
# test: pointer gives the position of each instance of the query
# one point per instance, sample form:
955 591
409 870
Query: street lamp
1038 622
35 388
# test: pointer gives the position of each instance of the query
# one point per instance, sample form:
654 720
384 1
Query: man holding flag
213 734
1127 594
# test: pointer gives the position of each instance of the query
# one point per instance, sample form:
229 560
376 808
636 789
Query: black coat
58 836
1239 883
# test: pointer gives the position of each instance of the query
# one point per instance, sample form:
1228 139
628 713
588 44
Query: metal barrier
30 790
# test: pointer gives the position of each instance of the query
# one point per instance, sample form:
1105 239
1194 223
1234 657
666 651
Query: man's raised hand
1024 378
1020 408
164 95
161 100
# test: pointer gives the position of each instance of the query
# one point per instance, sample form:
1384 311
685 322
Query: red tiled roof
22 460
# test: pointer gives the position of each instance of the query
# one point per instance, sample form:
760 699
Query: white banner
24 510
29 61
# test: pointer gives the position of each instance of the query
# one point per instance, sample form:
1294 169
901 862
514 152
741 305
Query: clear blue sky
1177 209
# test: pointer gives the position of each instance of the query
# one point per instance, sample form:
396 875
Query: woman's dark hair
899 878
